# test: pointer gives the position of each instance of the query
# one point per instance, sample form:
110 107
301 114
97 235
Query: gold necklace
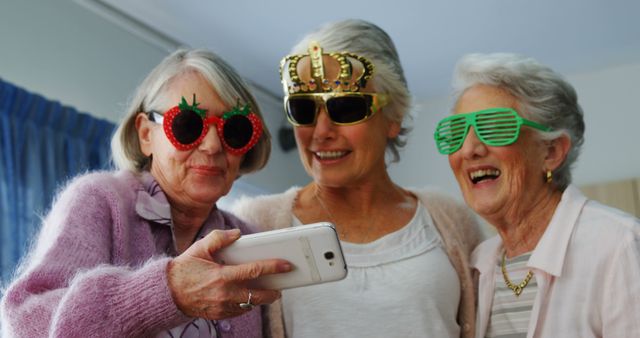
517 289
340 229
324 207
326 210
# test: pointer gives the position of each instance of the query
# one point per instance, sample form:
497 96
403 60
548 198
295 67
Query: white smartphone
313 249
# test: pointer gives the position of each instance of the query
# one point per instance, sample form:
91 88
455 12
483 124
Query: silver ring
247 305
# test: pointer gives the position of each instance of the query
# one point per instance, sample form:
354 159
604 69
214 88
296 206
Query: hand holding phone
313 250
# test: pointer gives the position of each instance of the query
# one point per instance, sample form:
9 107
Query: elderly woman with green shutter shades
561 264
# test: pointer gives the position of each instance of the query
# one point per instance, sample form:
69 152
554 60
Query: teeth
479 174
327 155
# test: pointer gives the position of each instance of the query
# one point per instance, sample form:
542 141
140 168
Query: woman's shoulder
248 204
436 196
602 213
101 187
437 201
483 255
104 181
267 211
607 222
453 218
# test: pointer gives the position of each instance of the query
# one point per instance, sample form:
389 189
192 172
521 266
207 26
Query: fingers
200 287
253 270
240 303
219 239
258 297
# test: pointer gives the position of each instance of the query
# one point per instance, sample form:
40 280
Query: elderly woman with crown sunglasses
130 253
561 265
406 250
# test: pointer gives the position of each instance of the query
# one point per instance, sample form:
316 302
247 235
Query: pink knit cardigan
98 269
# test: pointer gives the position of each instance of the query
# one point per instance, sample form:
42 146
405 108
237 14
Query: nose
472 147
211 143
324 128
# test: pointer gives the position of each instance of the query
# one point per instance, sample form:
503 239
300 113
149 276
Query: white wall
609 98
67 53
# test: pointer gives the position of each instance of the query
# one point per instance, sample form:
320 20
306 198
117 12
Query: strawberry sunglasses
186 125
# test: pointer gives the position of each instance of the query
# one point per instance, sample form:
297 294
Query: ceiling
571 36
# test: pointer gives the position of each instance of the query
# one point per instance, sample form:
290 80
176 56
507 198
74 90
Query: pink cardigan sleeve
76 283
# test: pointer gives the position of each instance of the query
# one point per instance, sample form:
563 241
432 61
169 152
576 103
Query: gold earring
549 176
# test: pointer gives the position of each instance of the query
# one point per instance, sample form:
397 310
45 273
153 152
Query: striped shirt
510 314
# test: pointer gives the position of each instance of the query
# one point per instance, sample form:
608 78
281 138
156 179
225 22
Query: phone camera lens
328 255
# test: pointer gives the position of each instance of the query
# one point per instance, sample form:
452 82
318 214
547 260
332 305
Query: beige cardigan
456 224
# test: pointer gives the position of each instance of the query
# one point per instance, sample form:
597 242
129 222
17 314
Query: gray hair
368 40
125 146
543 96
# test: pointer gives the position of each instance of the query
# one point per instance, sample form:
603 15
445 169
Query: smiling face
498 181
196 177
339 156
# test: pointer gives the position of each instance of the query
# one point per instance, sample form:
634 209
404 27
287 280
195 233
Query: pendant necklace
341 230
326 210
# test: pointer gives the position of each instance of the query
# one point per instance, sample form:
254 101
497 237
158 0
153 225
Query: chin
481 203
483 210
215 182
211 195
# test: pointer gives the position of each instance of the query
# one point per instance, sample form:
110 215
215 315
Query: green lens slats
493 127
496 128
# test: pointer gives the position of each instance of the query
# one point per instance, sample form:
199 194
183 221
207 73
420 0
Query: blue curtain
42 144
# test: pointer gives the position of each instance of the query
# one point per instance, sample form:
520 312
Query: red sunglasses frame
218 122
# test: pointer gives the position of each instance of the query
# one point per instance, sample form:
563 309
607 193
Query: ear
557 150
143 126
394 130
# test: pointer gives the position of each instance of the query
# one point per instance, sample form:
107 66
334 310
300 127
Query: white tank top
401 285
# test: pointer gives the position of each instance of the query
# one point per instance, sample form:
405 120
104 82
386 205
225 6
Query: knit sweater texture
98 269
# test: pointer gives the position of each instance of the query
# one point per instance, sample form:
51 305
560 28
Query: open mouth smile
330 155
478 176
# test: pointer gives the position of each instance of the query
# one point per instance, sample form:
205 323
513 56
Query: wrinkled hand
202 288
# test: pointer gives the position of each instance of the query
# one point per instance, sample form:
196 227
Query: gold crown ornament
345 81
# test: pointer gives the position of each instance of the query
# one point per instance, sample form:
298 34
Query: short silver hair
125 146
543 96
368 40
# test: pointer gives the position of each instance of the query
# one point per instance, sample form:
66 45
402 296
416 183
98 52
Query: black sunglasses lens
347 109
301 110
237 131
187 126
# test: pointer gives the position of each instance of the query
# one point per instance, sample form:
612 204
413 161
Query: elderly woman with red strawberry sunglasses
561 264
129 253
